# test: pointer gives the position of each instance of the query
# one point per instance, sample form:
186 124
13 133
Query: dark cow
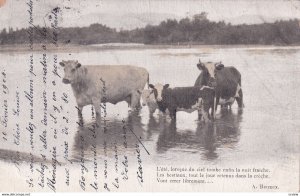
186 99
226 80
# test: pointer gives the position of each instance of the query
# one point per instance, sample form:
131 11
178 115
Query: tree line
196 30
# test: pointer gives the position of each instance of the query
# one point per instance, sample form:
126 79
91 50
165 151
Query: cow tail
148 81
240 82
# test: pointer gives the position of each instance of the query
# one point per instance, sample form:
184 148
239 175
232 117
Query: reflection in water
118 133
206 139
155 126
223 133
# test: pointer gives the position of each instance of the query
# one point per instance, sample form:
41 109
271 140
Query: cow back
182 97
227 80
110 83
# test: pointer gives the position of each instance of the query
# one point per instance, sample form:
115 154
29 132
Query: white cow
104 83
148 99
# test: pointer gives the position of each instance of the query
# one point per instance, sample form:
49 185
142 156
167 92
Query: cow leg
97 106
214 106
217 103
200 109
239 99
128 101
199 114
79 111
205 111
80 117
151 111
204 116
135 100
229 106
172 113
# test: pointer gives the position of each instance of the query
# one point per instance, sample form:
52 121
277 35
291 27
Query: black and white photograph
149 96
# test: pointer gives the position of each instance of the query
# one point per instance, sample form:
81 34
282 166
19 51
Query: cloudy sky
129 14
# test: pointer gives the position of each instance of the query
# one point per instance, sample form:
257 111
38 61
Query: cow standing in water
225 80
97 84
148 99
186 99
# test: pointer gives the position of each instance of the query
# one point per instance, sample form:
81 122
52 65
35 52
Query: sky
130 14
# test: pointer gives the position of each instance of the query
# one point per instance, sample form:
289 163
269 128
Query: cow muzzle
212 82
159 99
66 81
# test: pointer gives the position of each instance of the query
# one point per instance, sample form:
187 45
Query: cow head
157 90
73 71
146 96
209 72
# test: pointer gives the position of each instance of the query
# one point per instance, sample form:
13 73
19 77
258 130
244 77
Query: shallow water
265 133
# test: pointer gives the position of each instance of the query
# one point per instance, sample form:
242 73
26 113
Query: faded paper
46 147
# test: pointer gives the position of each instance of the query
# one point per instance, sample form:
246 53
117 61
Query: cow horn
152 86
199 61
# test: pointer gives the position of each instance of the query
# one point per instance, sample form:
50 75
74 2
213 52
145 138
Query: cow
104 83
148 99
186 99
225 80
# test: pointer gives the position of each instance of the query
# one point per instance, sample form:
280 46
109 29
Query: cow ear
219 66
151 86
78 65
62 64
200 66
166 86
139 91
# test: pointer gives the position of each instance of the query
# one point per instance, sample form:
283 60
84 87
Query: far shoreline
132 46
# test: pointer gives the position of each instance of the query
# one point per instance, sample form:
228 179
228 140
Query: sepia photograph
149 96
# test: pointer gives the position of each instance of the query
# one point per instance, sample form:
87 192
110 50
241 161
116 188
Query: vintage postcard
149 96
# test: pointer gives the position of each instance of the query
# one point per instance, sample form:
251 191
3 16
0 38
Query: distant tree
3 32
202 16
195 30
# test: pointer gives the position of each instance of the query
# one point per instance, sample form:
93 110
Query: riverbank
127 46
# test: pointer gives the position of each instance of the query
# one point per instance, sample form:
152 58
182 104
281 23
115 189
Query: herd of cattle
216 85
